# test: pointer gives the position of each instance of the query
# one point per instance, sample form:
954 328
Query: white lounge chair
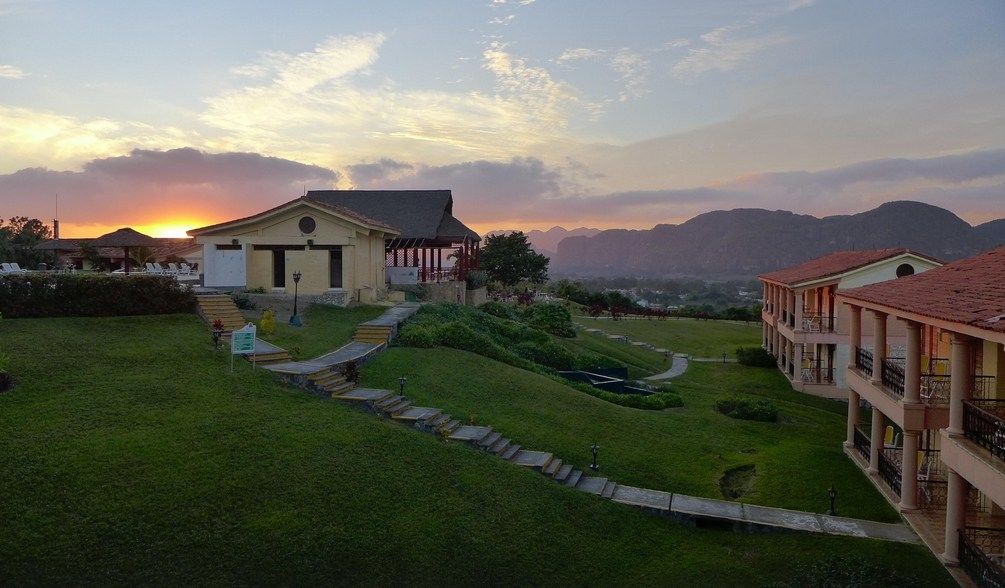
158 268
150 267
5 268
173 269
186 270
17 269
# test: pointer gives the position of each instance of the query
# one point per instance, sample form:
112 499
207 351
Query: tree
508 259
19 238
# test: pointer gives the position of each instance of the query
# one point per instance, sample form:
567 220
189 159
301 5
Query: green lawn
325 329
128 455
691 336
680 450
639 361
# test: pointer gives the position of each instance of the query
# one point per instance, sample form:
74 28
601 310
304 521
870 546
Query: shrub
55 295
6 381
590 361
748 409
501 310
476 279
550 318
548 354
267 325
243 301
258 290
416 336
852 571
351 372
755 356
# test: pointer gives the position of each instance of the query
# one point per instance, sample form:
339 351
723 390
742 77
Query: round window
308 224
904 269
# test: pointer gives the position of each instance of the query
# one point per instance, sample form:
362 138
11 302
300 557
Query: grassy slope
128 455
698 338
681 450
640 362
325 328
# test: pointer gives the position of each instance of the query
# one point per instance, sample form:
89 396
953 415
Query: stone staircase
375 334
433 420
222 307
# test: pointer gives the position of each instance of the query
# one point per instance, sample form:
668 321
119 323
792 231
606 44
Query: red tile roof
833 265
969 292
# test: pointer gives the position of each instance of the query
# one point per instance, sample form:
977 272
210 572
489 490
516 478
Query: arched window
904 269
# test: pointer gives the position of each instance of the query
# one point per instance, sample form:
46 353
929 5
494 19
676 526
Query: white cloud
503 20
677 43
724 50
579 54
634 71
312 106
11 72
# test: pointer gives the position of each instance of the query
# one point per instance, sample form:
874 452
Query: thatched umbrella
125 238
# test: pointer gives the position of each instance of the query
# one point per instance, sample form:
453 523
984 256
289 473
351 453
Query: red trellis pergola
428 254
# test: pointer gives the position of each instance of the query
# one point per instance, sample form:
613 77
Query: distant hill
744 242
546 242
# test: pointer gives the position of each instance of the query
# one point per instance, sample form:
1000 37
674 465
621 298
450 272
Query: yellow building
935 440
347 245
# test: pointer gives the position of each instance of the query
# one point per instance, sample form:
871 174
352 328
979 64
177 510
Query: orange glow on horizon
173 228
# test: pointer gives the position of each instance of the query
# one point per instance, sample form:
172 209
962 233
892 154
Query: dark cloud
144 187
367 173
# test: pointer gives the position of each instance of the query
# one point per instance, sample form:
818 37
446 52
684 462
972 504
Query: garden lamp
295 319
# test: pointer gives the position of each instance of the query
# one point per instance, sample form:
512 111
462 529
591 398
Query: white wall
224 268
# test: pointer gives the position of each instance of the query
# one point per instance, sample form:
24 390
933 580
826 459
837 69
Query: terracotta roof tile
832 265
341 210
970 292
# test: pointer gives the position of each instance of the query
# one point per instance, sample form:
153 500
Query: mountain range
744 242
546 242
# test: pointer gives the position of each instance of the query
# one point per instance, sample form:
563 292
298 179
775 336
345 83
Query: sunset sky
168 115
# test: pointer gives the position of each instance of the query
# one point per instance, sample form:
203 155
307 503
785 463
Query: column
956 510
959 381
798 311
854 332
853 415
764 294
909 472
778 301
790 301
912 365
876 440
878 346
797 361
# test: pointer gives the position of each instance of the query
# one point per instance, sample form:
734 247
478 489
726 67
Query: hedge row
37 295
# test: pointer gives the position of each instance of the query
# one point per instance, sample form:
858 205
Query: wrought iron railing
818 323
862 443
981 556
983 387
984 424
892 373
935 388
785 316
818 375
863 360
934 494
889 469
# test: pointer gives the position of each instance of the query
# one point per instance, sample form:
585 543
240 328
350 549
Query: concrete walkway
678 367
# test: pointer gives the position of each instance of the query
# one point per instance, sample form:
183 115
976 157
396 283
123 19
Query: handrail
892 370
818 323
976 545
863 360
984 424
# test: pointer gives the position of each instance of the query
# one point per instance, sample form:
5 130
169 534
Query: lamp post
595 449
295 319
832 494
401 385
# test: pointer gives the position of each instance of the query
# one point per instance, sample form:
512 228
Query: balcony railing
981 556
863 360
935 389
984 387
933 495
818 323
889 468
821 375
892 373
984 424
862 443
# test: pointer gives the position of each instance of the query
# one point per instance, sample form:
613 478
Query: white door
225 268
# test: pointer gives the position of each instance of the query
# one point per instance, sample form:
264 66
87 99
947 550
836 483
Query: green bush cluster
37 295
501 310
550 318
657 401
754 356
243 301
748 409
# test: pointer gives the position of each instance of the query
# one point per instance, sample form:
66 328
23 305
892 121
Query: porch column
878 346
876 440
439 263
789 352
797 362
777 301
959 381
854 332
764 295
791 299
956 512
798 311
912 365
909 472
854 401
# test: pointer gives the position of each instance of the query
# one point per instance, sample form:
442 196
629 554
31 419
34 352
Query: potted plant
6 380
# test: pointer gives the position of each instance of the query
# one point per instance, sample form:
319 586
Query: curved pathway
678 367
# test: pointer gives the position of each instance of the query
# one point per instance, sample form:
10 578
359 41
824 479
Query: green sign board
242 341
